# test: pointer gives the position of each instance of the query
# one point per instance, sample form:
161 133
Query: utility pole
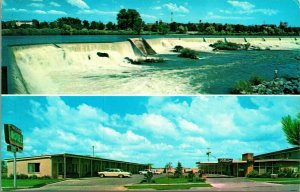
208 154
93 151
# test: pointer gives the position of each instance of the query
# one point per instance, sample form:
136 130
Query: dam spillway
76 68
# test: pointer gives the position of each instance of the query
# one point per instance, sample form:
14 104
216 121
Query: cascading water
100 68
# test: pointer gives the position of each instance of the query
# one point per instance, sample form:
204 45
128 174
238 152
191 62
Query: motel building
269 162
69 166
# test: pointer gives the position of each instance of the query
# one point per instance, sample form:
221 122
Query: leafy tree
110 26
44 25
179 170
101 26
86 24
182 29
210 30
163 28
291 128
173 26
35 23
94 25
130 19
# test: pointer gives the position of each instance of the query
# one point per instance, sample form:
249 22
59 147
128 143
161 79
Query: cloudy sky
220 11
150 129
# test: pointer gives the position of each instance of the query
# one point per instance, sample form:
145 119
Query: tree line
130 22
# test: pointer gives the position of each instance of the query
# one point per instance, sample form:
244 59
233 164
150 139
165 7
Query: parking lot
95 184
117 184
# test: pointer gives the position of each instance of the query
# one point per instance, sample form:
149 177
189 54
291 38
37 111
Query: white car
144 172
114 173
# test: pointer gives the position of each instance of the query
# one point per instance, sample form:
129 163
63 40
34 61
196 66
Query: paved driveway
94 184
241 184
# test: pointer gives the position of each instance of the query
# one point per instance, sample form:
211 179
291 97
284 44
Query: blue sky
150 129
220 11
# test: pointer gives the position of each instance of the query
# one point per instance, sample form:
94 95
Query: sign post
14 139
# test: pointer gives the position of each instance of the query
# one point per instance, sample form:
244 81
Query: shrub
22 176
178 48
286 172
220 45
201 180
33 177
253 174
188 53
191 176
4 176
11 176
266 175
241 87
148 177
45 177
256 80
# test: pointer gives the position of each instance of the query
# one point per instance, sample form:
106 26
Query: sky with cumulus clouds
220 11
150 129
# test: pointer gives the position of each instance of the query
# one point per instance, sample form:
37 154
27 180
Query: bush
4 176
256 80
253 174
45 177
188 53
22 176
220 45
286 172
241 87
191 176
33 177
11 176
201 180
266 175
178 48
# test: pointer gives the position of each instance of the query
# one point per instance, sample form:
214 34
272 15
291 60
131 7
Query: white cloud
55 12
173 7
78 3
212 15
15 10
157 8
54 4
241 4
248 8
36 5
96 12
148 16
40 12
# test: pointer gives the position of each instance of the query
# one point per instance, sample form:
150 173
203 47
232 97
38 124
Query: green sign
13 136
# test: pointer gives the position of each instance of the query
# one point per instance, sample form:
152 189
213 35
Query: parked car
144 172
114 173
155 172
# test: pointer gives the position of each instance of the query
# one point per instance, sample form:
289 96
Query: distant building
19 23
69 166
269 162
283 24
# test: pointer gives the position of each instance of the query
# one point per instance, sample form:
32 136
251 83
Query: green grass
27 183
171 180
273 179
168 187
287 182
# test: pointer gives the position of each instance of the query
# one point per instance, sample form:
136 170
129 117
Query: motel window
33 167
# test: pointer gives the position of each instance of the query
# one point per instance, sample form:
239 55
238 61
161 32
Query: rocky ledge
279 86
